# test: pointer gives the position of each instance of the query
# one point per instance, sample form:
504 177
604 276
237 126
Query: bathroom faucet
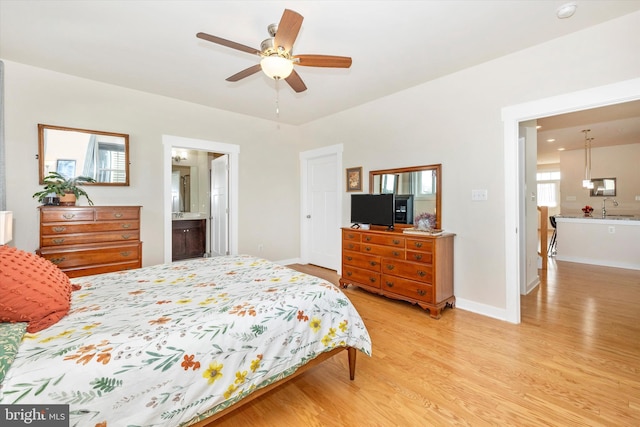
604 202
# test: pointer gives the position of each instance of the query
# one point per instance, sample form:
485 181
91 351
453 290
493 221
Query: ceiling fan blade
288 29
244 73
323 61
227 43
296 82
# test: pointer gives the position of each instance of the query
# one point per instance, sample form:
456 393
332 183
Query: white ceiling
151 45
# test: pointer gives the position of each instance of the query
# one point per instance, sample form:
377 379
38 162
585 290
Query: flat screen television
376 209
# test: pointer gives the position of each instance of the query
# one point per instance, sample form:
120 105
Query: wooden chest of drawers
414 268
85 240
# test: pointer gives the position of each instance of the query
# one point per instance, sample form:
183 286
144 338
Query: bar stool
552 244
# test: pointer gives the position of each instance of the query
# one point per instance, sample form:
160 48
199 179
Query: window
111 162
548 188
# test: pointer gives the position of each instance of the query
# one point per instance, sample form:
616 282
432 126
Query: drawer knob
418 257
396 242
421 273
372 263
68 216
372 279
57 260
126 225
418 244
349 273
117 215
126 236
396 253
390 266
350 236
421 292
367 248
125 253
59 229
367 238
350 245
389 284
58 241
349 258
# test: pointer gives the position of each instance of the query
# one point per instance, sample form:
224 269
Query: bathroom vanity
613 241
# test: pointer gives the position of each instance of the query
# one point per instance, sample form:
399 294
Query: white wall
268 190
619 161
456 120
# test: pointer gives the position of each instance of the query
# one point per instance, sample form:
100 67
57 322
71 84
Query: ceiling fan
277 57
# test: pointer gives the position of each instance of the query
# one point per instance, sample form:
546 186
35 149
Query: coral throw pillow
32 289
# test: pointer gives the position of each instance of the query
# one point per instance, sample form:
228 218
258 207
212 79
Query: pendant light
586 182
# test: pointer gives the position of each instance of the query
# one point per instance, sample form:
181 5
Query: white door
219 206
322 211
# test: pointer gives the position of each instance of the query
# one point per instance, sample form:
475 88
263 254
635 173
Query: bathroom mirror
603 187
103 156
418 189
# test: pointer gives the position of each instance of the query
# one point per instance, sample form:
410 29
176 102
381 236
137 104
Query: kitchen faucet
604 202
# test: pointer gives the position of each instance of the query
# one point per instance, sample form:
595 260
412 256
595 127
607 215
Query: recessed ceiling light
566 10
551 140
561 149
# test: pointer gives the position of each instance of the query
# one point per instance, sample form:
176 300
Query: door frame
616 93
305 230
171 142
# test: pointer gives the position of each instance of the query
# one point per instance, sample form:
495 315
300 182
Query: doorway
170 143
515 235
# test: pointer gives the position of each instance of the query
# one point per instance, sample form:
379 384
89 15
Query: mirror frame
41 154
438 172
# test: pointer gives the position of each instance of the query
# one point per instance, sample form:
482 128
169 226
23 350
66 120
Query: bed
180 344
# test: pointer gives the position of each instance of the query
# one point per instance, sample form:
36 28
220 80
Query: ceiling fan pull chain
277 99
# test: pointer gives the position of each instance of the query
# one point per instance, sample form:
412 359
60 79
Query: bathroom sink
176 216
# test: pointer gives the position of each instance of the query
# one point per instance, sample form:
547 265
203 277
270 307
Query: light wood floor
573 361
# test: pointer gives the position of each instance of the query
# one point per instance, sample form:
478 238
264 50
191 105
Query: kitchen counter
613 241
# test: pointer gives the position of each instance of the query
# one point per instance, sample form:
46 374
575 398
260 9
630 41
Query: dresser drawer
422 245
392 241
385 251
79 238
88 255
99 269
360 260
117 212
350 246
351 236
424 257
358 275
63 214
408 288
88 227
408 270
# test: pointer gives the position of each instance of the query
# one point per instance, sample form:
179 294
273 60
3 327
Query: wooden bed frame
319 359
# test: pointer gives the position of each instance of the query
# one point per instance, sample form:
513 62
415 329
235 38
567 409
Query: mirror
603 187
418 189
184 189
103 156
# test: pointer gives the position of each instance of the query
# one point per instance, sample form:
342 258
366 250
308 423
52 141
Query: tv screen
377 209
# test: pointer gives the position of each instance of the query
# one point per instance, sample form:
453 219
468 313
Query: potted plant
67 189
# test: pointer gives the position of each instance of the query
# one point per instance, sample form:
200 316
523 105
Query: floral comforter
171 344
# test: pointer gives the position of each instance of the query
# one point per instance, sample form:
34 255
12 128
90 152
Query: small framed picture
66 168
354 179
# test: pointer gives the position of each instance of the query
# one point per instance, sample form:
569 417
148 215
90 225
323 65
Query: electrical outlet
638 198
260 247
612 229
477 195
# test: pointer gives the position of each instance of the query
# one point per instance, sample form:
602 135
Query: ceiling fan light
276 67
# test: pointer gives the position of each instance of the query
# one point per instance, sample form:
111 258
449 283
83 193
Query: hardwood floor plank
574 360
